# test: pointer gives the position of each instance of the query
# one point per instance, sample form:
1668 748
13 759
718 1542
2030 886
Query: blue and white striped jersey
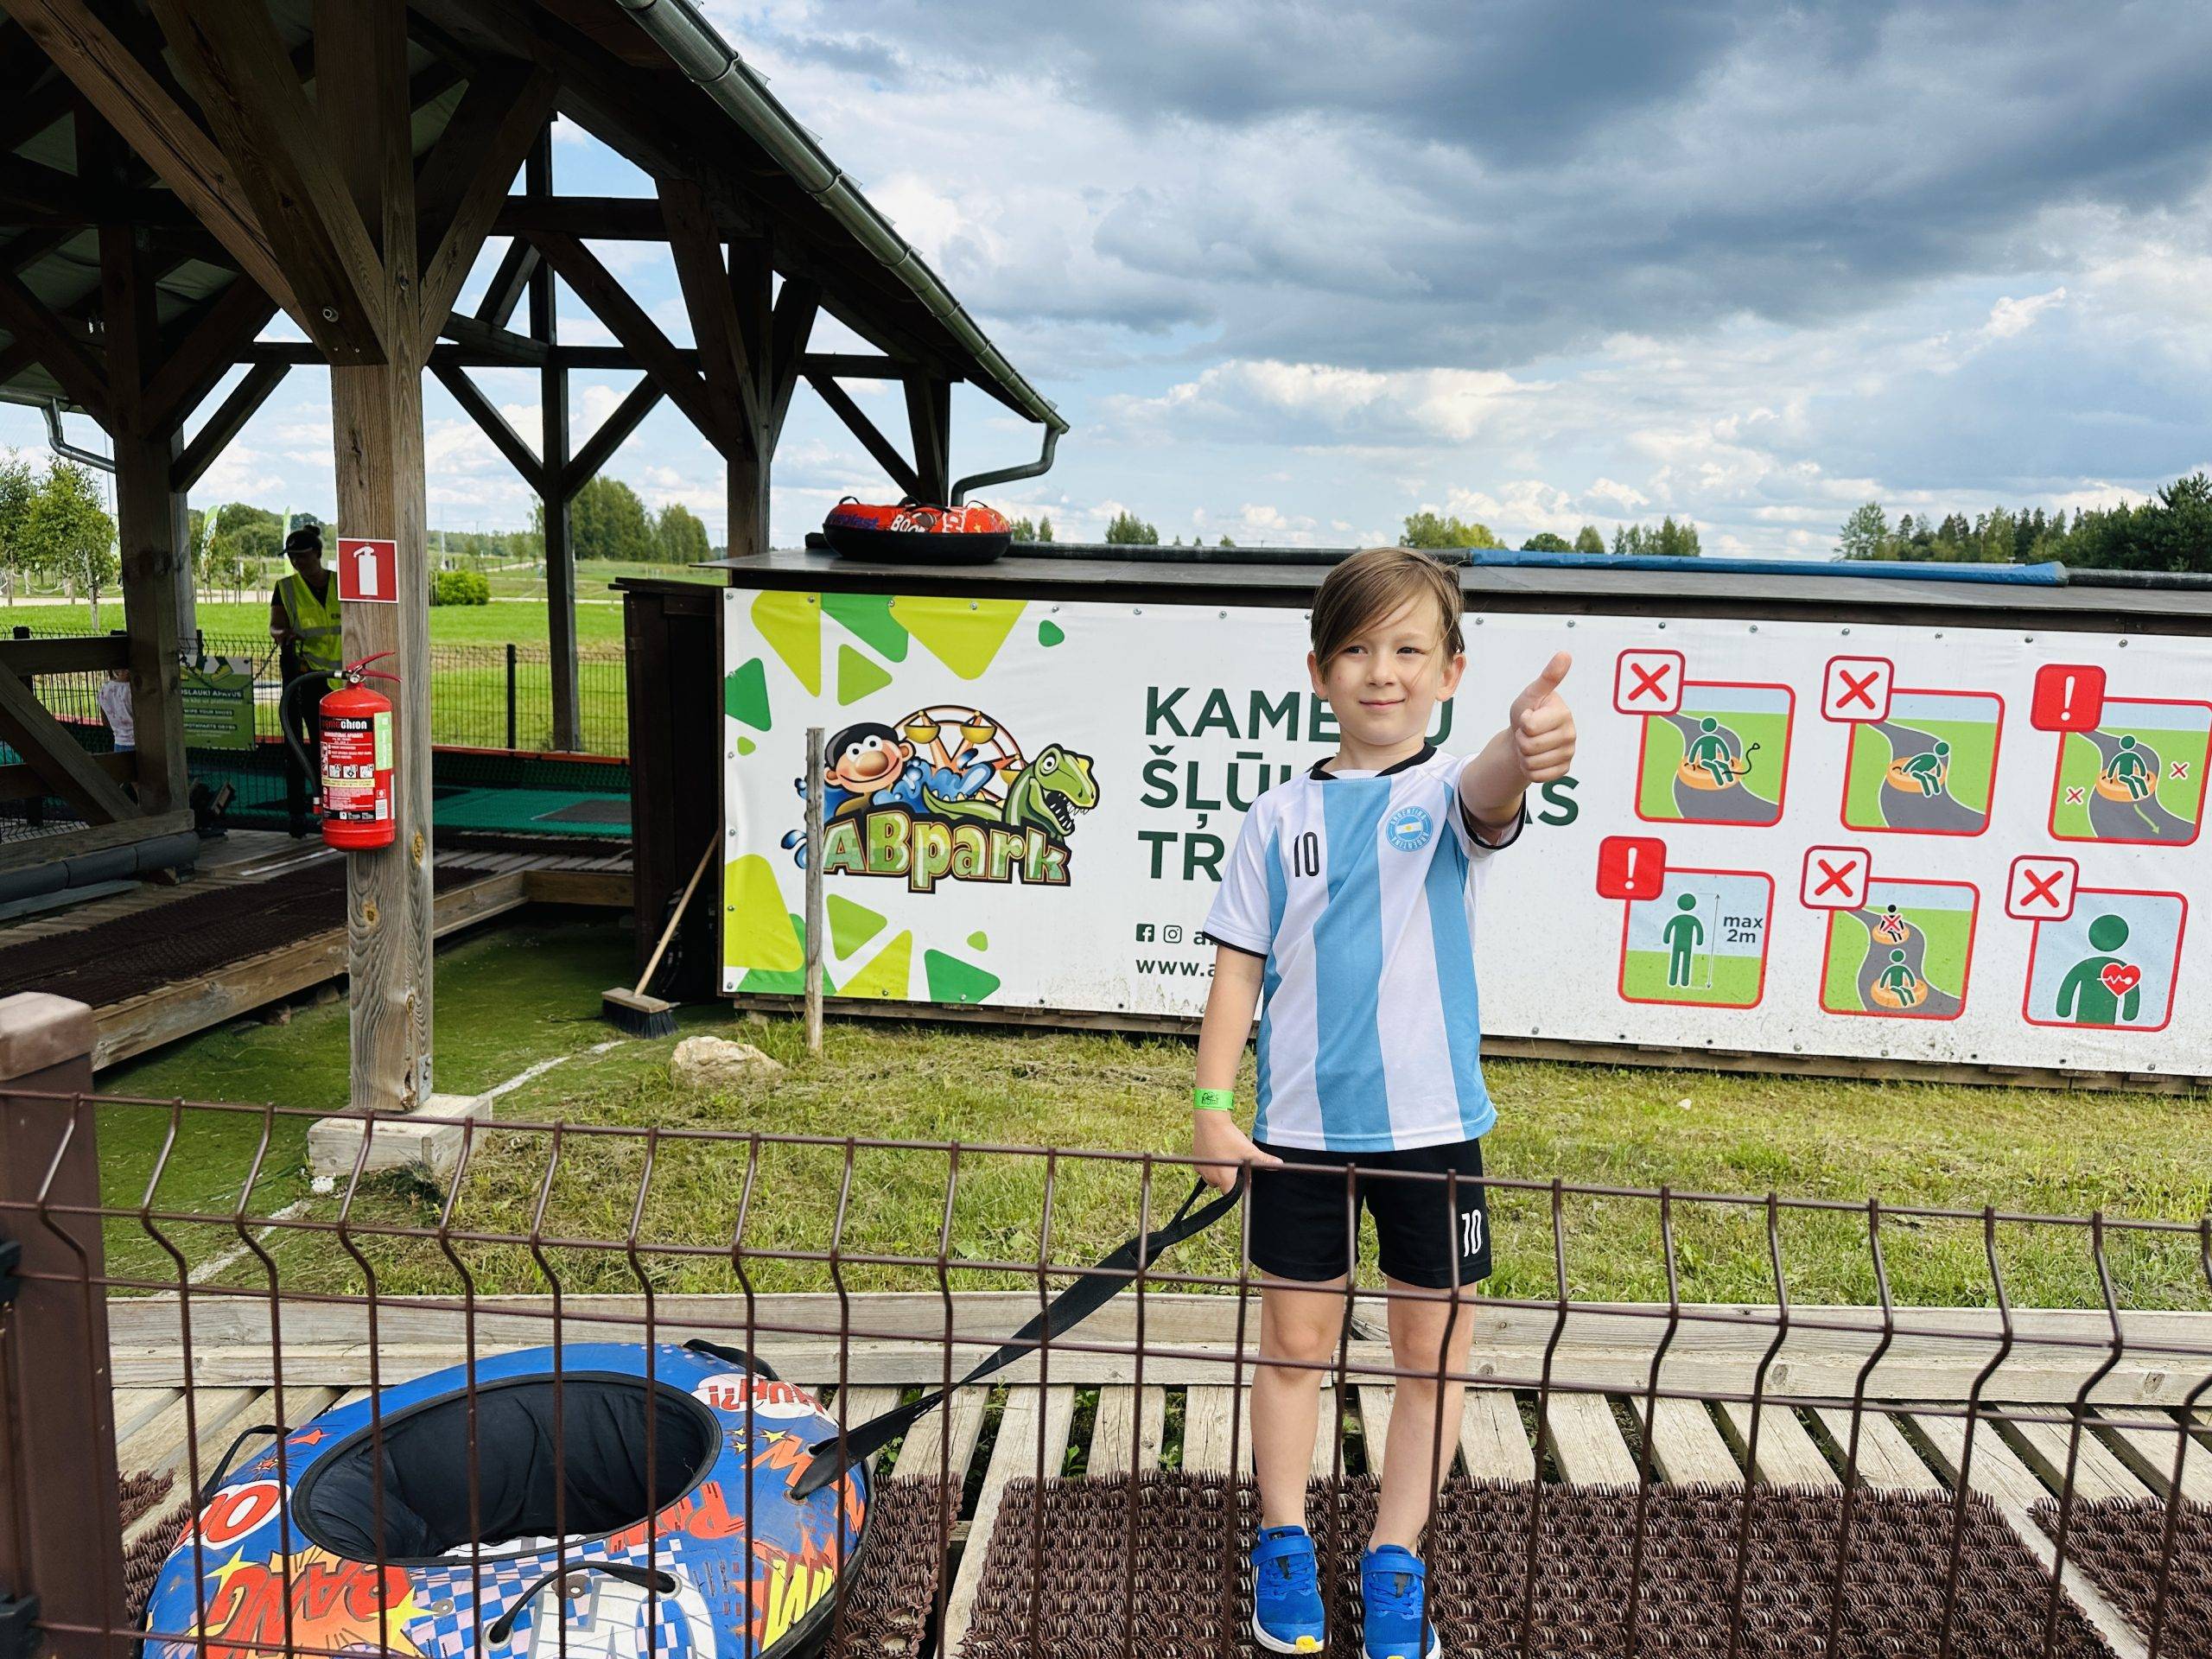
1360 889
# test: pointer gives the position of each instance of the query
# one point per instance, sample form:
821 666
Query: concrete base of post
415 1141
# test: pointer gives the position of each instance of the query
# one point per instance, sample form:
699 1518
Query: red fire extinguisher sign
368 571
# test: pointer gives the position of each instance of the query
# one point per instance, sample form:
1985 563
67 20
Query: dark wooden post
60 1528
751 272
929 413
553 453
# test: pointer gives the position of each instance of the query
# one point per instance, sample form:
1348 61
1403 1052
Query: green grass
508 999
1735 980
1664 747
1974 753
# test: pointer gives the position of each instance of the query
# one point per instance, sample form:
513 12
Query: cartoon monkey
868 763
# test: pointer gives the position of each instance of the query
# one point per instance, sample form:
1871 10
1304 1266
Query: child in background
1350 897
114 697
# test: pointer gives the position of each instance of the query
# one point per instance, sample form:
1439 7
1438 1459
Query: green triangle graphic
858 675
745 746
954 981
791 623
964 635
851 926
868 616
1049 633
887 976
979 942
757 930
745 693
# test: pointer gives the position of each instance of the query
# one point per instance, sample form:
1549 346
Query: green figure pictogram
2087 995
1683 934
1710 750
1930 769
1899 980
2129 769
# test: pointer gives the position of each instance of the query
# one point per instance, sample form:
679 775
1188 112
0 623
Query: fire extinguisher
354 790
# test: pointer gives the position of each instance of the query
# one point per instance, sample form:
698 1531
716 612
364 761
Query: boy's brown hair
1374 582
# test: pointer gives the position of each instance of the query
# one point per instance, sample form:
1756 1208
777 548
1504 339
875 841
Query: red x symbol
2179 769
1647 679
2040 887
1855 690
1837 876
2074 797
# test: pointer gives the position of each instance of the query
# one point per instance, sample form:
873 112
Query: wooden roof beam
600 447
225 424
493 425
285 172
158 126
465 179
857 423
58 349
639 336
203 353
796 306
724 357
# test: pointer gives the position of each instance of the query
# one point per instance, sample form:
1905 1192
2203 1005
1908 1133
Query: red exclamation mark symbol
2069 697
1631 866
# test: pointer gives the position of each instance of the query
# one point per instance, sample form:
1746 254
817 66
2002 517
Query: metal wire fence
723 1309
485 697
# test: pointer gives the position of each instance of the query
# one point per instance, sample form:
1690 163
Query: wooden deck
1090 1416
503 882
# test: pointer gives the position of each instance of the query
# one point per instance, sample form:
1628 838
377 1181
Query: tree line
2171 532
1668 538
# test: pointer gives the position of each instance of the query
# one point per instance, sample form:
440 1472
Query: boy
1351 897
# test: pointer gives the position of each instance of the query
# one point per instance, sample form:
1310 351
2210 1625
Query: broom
634 1013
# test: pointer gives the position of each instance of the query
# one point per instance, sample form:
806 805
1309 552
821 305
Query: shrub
459 587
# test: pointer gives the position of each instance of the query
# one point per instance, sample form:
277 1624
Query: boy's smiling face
1387 680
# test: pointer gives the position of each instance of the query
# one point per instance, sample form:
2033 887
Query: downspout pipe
702 54
56 439
978 480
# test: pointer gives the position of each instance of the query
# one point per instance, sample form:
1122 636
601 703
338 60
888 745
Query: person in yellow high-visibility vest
303 621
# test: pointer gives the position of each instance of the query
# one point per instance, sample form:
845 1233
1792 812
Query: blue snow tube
736 1565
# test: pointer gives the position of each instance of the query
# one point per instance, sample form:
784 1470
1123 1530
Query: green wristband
1212 1100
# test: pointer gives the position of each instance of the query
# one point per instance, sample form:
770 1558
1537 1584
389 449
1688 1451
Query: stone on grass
716 1062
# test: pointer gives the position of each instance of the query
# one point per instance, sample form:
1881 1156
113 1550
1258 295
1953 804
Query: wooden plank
1888 1462
93 838
732 376
160 1443
1330 1431
1687 1450
2098 1473
1787 1454
1123 1415
1026 1423
179 1009
85 655
1586 1442
135 1407
1208 1412
1996 1472
2149 1450
944 1441
47 744
1492 1438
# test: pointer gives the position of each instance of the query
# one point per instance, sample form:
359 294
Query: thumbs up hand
1542 726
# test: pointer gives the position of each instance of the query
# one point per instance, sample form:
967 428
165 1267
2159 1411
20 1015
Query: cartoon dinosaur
1044 795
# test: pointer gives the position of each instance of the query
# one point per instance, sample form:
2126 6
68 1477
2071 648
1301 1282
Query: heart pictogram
2120 977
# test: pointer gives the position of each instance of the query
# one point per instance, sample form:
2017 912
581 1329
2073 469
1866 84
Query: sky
1293 271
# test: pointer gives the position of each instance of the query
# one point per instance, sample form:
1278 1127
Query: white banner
1951 845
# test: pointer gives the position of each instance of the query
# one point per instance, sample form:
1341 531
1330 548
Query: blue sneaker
1287 1612
1393 1598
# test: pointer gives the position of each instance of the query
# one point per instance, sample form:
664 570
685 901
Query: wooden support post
817 795
60 1527
929 412
751 447
376 419
553 451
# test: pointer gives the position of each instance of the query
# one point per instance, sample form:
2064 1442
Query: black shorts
1301 1229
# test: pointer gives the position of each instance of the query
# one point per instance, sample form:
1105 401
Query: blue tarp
2051 574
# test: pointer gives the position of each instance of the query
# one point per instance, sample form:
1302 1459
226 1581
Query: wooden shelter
174 173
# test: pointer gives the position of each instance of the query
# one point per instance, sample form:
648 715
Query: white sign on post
1031 805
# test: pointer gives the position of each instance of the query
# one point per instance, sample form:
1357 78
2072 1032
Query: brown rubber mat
2118 1545
188 939
1191 1528
891 1596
